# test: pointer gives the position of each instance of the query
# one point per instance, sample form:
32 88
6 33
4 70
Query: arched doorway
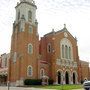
74 78
67 77
59 77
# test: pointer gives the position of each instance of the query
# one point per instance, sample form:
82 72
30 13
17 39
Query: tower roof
30 1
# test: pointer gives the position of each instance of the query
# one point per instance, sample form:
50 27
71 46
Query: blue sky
51 14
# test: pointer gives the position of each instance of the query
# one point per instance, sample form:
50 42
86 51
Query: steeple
27 9
65 28
24 44
64 25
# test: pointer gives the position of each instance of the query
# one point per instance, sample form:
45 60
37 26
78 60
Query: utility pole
8 85
62 83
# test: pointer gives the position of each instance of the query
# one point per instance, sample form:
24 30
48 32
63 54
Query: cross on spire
64 25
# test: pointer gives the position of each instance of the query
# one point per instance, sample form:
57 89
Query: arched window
29 15
62 51
21 26
66 49
30 48
69 53
66 52
18 15
49 48
29 70
42 72
14 57
30 29
5 63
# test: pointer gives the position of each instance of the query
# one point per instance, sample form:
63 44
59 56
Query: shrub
82 81
32 82
36 82
50 81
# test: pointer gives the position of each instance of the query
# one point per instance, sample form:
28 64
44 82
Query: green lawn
61 87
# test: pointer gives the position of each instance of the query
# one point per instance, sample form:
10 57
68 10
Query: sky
51 14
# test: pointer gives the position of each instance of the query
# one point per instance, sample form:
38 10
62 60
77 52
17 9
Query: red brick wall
54 39
84 70
19 44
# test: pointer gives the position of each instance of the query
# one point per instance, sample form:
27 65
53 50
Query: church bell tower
24 44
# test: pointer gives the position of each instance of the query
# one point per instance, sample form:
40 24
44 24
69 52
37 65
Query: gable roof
60 31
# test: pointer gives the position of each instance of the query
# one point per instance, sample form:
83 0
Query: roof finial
76 38
64 25
52 30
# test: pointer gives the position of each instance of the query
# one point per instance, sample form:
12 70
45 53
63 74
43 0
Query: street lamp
8 85
62 83
89 70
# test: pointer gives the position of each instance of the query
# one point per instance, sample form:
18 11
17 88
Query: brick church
54 56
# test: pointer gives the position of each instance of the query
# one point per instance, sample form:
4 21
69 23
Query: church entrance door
59 77
74 78
67 77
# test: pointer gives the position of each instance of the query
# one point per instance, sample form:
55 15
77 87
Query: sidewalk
21 88
77 89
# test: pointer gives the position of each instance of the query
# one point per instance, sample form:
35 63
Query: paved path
78 89
21 88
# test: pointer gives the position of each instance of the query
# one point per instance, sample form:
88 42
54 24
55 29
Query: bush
82 81
50 81
36 82
32 82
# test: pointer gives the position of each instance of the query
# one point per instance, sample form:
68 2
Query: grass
60 87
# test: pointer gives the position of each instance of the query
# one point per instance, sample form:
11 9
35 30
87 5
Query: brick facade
84 70
55 55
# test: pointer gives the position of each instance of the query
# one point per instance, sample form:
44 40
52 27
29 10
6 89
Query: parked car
86 85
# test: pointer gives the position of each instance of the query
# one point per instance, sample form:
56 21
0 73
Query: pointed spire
64 25
36 22
52 30
76 38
